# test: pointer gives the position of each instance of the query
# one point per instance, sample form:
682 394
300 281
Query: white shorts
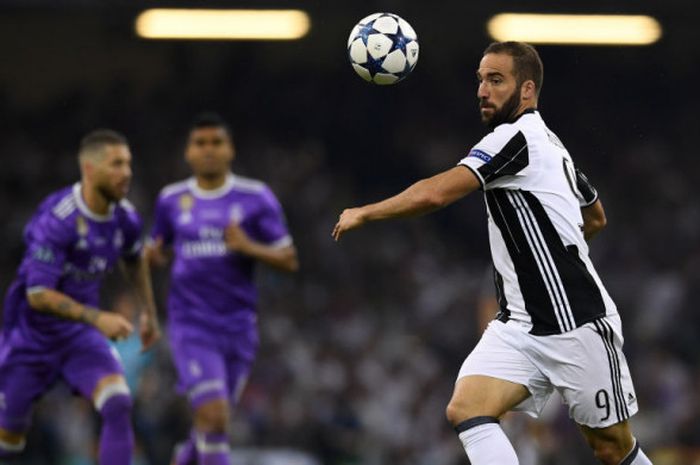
585 365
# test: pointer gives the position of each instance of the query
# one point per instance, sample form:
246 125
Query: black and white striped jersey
534 196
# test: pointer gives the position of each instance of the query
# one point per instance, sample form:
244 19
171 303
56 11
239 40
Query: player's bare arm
156 253
138 273
112 325
425 196
594 219
282 258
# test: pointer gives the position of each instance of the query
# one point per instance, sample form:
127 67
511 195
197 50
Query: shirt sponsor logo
205 248
96 268
481 155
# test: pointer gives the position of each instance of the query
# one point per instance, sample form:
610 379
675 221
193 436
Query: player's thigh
240 356
477 395
497 376
93 368
237 373
201 369
25 375
589 369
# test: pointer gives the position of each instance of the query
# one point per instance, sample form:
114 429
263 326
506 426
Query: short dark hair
93 142
210 120
527 64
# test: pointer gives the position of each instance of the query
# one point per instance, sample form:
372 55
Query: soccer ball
383 48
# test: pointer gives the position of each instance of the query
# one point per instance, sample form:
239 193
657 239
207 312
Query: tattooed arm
56 303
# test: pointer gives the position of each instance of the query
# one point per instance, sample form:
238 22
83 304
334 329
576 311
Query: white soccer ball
383 48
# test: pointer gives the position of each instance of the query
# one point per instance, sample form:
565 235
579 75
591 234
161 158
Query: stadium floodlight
213 24
575 29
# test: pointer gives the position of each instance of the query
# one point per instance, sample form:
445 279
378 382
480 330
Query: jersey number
570 174
602 401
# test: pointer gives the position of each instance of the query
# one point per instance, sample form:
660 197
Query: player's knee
212 417
458 411
608 452
11 444
117 409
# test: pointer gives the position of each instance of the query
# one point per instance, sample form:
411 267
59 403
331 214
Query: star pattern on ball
388 47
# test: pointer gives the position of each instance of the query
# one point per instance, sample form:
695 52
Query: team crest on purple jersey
186 203
81 227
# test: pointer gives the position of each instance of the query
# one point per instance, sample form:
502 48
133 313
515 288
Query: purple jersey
68 248
209 285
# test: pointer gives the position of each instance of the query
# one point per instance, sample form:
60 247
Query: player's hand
236 239
351 218
154 251
150 331
113 326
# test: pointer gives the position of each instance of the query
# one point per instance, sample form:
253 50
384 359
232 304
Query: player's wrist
89 315
365 214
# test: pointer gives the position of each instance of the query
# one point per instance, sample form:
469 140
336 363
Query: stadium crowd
359 351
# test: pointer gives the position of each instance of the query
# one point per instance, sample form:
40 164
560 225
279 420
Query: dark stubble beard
108 194
507 113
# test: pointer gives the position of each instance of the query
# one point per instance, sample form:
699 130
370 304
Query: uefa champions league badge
235 214
82 229
185 203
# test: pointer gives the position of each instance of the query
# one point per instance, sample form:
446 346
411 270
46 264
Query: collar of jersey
85 210
213 193
527 111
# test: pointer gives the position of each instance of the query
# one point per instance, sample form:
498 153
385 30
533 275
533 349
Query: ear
87 167
528 92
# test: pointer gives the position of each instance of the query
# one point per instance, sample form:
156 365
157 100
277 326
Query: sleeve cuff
282 242
588 204
476 173
35 289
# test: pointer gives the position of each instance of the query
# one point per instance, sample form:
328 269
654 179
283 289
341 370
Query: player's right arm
423 197
112 325
49 236
501 154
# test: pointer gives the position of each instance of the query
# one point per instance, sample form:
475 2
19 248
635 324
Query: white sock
636 457
487 445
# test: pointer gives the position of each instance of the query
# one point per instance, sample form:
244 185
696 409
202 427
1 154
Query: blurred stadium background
360 349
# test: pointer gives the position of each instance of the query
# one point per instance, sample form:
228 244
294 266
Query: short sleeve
503 152
48 240
132 227
589 194
270 225
162 225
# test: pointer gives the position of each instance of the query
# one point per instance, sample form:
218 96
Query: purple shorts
212 365
27 372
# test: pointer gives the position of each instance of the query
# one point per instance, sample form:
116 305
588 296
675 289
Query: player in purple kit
53 328
218 225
